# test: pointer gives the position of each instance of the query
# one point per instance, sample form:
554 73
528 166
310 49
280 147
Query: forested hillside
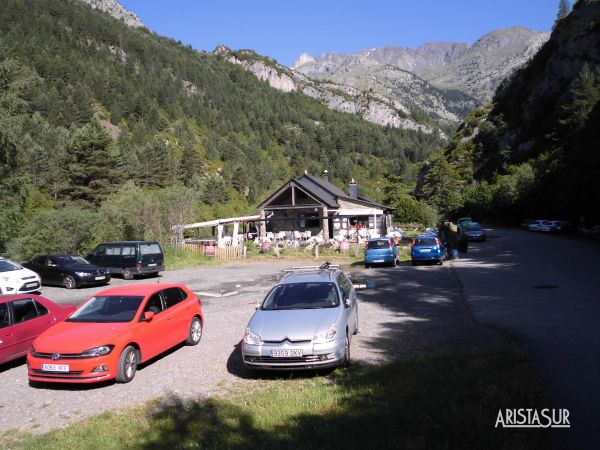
110 132
534 151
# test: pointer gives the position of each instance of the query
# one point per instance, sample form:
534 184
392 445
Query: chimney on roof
326 175
353 189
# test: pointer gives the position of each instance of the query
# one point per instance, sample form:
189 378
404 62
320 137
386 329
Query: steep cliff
535 150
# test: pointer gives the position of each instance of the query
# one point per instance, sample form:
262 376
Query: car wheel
195 333
356 325
128 362
413 262
346 362
69 282
367 266
395 262
441 262
127 274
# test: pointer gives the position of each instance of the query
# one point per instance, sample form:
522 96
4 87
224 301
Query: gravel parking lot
410 311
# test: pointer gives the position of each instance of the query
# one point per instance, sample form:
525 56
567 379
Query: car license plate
425 250
286 353
55 367
152 265
100 278
30 285
378 260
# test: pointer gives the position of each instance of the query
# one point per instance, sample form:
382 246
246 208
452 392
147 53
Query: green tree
92 169
564 7
65 230
585 93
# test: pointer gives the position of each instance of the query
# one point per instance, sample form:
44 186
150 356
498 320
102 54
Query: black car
66 270
129 258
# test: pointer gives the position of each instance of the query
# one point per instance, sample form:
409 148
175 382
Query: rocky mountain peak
475 69
118 11
304 58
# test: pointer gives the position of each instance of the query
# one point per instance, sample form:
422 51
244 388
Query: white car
15 279
536 225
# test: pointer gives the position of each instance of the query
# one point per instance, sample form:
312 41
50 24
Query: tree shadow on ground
443 401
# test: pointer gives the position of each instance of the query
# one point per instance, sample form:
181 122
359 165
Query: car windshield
8 266
474 227
378 244
108 308
426 241
72 259
302 296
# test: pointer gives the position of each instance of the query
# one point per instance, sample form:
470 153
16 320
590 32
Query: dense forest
109 132
534 151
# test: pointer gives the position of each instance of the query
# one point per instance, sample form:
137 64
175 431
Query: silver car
305 322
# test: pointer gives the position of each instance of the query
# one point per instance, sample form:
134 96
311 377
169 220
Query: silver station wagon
305 322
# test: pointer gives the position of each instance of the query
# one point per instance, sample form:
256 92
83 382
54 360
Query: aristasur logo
532 418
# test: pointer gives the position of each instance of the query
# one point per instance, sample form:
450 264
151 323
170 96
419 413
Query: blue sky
283 29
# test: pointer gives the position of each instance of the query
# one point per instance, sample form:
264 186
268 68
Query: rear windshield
150 249
108 308
378 244
302 296
426 241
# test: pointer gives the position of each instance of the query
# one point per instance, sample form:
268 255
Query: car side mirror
148 316
257 306
348 302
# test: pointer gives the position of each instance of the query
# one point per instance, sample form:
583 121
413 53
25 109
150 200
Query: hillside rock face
115 9
536 98
472 69
371 106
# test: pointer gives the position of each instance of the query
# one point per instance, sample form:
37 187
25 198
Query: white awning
214 223
358 212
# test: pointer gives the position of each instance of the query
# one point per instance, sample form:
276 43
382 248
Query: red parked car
114 331
22 319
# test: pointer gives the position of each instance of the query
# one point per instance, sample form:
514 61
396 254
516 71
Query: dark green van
129 258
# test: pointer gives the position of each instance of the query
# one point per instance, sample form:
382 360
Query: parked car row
547 226
306 321
127 259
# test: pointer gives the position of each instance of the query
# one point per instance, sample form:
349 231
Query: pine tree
564 7
92 166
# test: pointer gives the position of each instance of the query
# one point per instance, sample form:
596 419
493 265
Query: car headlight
82 274
97 351
327 336
251 338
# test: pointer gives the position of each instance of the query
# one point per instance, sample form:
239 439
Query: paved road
411 311
546 290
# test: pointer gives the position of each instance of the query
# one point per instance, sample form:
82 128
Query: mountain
363 102
119 125
115 9
475 69
534 151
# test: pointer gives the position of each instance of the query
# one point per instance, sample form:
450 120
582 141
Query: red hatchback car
114 331
22 319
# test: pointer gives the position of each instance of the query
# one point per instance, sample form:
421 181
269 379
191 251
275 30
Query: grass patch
442 401
180 258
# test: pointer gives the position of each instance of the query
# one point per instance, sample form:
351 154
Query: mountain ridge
446 65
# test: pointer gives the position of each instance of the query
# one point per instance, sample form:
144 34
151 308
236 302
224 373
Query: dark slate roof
321 189
326 192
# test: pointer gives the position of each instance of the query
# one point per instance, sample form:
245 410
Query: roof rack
324 266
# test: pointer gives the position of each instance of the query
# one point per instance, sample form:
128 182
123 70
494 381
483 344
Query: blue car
427 248
381 251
